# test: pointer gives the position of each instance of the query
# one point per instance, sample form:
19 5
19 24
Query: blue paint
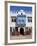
18 8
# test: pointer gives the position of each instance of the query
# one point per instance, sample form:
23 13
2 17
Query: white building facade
28 21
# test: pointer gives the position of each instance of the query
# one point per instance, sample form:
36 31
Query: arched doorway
21 31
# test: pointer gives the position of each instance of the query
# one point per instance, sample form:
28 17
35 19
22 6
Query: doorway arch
22 31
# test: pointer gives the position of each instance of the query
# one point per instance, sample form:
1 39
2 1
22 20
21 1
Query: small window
29 19
13 20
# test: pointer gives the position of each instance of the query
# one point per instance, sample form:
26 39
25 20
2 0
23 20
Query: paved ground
20 37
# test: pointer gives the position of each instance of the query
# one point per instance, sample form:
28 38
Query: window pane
29 19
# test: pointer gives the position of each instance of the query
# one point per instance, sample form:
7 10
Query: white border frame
33 24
